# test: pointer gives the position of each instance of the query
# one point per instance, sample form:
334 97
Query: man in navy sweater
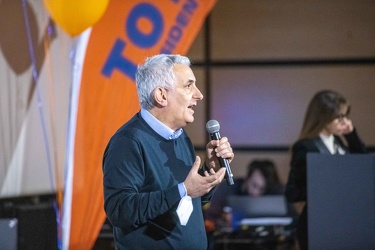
154 184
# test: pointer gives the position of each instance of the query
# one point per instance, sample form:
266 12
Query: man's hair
157 71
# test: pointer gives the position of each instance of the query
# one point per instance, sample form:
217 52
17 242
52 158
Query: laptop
267 205
262 210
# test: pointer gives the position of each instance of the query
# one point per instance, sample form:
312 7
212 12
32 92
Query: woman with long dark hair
327 129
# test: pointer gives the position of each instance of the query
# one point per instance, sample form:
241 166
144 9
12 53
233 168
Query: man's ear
160 96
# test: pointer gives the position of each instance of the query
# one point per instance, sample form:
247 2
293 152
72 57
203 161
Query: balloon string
47 42
59 191
40 109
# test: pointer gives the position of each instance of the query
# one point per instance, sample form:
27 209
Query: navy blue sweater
141 173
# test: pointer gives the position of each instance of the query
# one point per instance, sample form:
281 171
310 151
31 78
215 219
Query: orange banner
128 32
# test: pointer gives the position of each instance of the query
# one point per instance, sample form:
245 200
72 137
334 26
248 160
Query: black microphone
213 128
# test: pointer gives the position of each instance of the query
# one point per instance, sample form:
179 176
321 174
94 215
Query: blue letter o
136 36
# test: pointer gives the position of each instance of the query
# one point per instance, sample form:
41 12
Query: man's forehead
182 70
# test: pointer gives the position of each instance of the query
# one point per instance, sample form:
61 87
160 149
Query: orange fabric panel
128 32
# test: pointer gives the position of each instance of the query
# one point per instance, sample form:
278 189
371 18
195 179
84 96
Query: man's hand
218 148
197 185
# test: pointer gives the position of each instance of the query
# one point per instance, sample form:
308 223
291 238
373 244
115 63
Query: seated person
261 179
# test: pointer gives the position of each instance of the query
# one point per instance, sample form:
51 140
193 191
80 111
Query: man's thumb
197 163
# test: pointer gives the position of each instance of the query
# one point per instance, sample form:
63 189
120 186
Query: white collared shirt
160 127
333 147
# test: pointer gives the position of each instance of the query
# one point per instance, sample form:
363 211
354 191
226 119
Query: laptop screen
263 206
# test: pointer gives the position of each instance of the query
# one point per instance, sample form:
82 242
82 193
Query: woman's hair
269 171
323 108
157 71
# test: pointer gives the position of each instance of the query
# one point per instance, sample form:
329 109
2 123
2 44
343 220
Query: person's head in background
327 113
262 178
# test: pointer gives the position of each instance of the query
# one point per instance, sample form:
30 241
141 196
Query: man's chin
190 120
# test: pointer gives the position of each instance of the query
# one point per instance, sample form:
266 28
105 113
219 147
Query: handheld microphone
213 128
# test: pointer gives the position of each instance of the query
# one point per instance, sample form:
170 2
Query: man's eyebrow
190 81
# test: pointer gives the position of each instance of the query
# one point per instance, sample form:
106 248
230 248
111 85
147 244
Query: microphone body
213 128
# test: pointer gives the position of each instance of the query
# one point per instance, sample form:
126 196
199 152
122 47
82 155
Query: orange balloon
74 16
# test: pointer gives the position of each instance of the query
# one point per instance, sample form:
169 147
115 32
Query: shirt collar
328 141
160 127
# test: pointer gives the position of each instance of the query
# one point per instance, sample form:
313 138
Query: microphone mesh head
212 126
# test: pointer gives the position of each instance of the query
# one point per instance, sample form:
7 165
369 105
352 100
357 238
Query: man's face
182 98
